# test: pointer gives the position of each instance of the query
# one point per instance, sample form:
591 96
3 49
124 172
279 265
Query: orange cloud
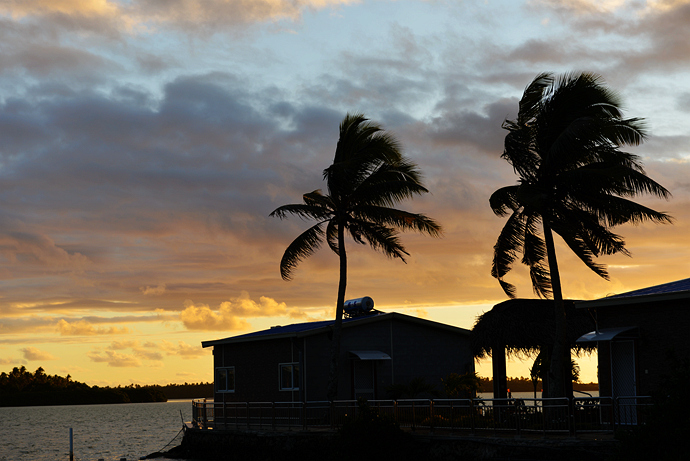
22 8
184 350
230 314
187 14
39 249
84 328
159 290
31 353
115 359
202 317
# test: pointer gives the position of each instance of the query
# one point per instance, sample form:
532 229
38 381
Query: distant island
21 387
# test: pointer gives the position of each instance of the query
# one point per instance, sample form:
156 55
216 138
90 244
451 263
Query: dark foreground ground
386 445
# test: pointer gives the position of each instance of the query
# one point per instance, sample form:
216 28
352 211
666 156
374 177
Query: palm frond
509 243
504 200
383 239
588 243
397 219
302 247
301 210
389 184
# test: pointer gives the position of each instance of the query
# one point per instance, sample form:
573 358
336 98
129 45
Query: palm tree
368 176
573 181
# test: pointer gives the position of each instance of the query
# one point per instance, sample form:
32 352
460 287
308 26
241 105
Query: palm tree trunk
337 326
556 381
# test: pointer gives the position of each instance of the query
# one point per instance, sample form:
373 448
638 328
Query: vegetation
415 388
21 387
573 181
523 384
368 176
463 386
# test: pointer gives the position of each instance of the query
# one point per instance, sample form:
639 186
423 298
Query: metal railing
469 416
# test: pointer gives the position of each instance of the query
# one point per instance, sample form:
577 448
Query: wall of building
429 353
662 343
257 376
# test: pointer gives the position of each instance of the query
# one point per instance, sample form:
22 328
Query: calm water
109 432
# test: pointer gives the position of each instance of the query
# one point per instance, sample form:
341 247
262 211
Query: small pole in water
71 445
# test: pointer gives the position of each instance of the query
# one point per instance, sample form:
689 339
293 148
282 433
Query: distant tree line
523 384
21 387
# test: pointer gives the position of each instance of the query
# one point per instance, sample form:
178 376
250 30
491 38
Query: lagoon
109 432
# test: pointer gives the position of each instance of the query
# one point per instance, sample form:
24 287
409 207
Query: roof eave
318 330
618 301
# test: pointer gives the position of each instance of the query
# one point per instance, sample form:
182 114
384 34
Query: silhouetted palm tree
573 180
368 176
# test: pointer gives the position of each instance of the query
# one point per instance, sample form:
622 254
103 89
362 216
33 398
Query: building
641 336
291 363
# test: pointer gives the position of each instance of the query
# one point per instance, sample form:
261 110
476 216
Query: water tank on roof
359 306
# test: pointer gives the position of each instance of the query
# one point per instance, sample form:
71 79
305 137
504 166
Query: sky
144 144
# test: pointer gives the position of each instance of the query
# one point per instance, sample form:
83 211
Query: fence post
414 417
571 415
616 413
473 425
395 411
304 416
452 418
517 417
225 413
332 406
431 416
203 415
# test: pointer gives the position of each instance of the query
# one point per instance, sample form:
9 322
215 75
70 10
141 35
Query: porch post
498 366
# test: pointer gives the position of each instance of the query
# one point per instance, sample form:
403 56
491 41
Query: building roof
679 289
298 330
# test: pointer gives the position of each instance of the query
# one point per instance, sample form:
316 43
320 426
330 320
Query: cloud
582 6
22 8
202 317
115 359
158 290
184 350
84 328
30 248
132 353
146 16
230 314
32 353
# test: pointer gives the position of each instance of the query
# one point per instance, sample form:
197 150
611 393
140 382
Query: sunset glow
144 144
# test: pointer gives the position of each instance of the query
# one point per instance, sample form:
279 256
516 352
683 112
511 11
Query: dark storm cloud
482 130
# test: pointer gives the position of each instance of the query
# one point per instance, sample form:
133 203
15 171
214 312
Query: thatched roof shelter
522 326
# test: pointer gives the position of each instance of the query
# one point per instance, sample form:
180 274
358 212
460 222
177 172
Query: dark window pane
286 376
231 379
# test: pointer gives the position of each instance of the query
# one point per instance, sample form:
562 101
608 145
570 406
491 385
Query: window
289 376
225 379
